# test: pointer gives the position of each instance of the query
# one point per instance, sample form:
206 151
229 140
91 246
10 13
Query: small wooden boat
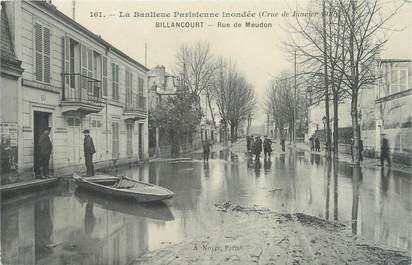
123 187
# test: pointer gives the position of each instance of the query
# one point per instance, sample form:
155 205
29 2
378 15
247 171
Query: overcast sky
257 52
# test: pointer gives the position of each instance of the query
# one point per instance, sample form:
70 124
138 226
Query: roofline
52 9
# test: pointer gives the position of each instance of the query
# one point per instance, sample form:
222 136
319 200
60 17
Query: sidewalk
346 158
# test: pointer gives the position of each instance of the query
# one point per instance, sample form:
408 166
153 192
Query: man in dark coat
385 152
206 151
44 150
89 150
257 148
267 147
317 144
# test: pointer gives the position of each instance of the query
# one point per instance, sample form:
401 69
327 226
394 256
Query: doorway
41 121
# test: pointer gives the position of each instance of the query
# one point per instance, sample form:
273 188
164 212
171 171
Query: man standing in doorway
89 150
44 147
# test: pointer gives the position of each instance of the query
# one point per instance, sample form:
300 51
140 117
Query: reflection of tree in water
43 228
356 182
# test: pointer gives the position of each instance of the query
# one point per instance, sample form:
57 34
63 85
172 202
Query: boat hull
123 193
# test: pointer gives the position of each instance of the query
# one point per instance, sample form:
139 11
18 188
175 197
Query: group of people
256 145
45 147
385 150
314 144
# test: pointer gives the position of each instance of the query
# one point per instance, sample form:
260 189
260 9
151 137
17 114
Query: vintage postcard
206 132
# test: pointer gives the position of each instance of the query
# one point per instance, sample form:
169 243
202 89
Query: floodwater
63 225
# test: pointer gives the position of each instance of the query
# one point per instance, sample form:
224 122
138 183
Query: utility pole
325 69
294 107
74 9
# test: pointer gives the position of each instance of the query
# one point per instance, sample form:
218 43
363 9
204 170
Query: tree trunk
355 129
335 126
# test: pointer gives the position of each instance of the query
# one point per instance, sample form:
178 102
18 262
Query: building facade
387 110
74 80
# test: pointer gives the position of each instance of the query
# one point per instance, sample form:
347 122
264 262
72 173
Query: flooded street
63 225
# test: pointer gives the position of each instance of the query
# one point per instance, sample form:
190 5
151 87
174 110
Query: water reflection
74 227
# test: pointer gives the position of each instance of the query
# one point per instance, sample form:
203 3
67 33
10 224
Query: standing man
44 150
206 151
89 150
257 148
317 144
282 143
267 146
385 152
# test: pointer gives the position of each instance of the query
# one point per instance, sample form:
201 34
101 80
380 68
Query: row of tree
338 51
286 105
218 80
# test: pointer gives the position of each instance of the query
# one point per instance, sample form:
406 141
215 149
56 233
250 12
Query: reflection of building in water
386 209
61 230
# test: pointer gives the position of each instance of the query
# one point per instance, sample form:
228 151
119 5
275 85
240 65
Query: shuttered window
115 81
129 88
141 83
42 53
104 76
90 70
84 66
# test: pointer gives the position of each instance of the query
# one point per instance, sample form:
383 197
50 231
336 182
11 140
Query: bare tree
344 43
234 96
197 65
282 102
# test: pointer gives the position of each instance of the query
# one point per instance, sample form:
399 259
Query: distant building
72 80
161 87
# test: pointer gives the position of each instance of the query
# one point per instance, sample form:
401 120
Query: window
399 79
141 83
104 76
115 81
73 121
141 99
42 50
129 88
97 73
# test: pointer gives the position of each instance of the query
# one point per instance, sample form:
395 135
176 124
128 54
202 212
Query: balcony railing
81 93
82 89
137 103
